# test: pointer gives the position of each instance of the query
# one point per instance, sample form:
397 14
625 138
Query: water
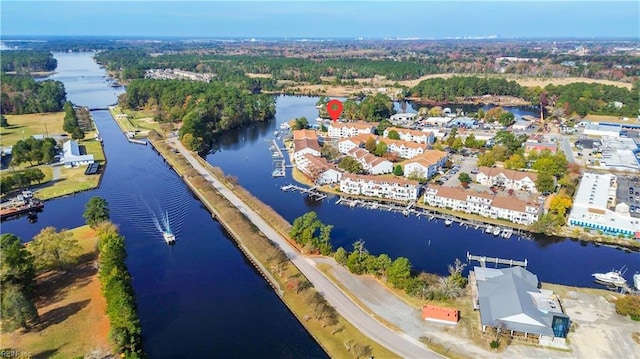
430 246
199 298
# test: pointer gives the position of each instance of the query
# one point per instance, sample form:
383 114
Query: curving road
400 343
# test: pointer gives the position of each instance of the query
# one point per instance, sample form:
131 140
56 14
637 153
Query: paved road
399 343
566 148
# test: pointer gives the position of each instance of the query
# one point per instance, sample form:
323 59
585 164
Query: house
510 179
72 156
302 134
538 146
404 149
411 135
351 129
318 169
437 314
347 144
595 196
304 146
425 165
382 187
482 203
509 300
372 164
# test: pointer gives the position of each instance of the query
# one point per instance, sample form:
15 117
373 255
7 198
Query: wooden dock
484 259
311 192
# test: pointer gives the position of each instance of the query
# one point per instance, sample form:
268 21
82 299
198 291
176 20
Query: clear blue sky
424 19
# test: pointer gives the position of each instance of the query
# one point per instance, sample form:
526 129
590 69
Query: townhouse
425 165
318 169
482 203
395 188
411 135
510 179
351 129
347 144
404 149
372 164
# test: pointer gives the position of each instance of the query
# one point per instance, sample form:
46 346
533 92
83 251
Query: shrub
629 305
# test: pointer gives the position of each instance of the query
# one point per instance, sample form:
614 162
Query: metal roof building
510 301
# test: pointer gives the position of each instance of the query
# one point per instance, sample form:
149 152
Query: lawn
71 309
140 122
71 180
24 126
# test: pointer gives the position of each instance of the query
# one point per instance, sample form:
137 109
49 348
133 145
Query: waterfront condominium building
411 135
595 207
395 188
351 129
318 169
374 165
510 179
425 165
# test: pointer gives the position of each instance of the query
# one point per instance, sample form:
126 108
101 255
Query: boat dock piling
278 159
484 259
311 192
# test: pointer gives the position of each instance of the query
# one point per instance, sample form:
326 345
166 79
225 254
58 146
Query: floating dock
311 192
484 259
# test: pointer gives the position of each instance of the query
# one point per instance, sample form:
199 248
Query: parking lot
629 193
460 164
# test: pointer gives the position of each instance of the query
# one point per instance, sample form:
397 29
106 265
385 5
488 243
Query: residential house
510 300
510 179
482 203
425 165
395 188
351 129
72 156
318 169
372 164
411 135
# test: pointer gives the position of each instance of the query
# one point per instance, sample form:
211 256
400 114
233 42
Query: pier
279 164
311 192
484 259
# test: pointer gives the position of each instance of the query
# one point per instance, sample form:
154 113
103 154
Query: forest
25 62
22 94
204 108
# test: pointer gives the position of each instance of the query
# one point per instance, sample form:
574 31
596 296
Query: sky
323 19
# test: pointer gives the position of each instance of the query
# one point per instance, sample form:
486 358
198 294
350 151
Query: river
199 298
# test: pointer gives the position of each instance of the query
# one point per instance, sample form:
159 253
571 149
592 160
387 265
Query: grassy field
71 180
140 122
71 308
24 126
614 119
331 337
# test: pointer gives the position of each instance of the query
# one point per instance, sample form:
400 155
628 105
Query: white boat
636 280
497 231
448 222
489 229
614 277
169 237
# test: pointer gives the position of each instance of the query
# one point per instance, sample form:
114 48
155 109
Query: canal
200 298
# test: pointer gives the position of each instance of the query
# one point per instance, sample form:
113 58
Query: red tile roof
440 314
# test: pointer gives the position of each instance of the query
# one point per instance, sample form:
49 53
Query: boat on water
169 237
497 231
614 277
489 229
448 222
636 280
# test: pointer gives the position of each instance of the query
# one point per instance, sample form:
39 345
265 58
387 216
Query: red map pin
334 109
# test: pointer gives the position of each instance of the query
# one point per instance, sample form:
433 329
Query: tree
471 141
301 123
341 256
457 144
560 203
16 263
381 149
349 164
399 272
464 178
18 308
3 122
393 134
515 162
370 145
397 170
545 182
54 250
417 175
329 152
486 159
96 211
77 133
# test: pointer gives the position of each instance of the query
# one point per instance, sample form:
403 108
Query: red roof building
440 314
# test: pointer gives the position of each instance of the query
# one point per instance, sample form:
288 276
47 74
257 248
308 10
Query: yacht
169 237
614 277
636 280
497 231
448 222
489 229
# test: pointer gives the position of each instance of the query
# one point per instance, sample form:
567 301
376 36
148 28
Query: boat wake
164 227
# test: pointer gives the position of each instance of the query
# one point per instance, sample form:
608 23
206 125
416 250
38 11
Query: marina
311 192
483 260
279 163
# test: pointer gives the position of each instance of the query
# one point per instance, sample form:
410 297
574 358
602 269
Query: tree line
373 108
446 90
204 108
33 150
26 178
71 124
22 94
27 61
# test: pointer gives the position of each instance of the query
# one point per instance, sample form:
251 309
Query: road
566 148
399 343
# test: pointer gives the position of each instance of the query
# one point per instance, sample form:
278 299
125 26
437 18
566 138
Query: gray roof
509 298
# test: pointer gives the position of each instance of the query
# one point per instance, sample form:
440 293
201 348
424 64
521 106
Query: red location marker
334 109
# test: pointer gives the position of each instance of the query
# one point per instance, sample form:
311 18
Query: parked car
632 208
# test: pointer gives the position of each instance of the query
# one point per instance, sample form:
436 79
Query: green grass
24 126
140 122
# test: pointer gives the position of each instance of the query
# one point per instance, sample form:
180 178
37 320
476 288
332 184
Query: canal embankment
292 286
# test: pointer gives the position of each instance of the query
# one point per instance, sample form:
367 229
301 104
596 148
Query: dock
311 192
279 164
21 205
484 259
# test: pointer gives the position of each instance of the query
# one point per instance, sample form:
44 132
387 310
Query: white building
347 144
521 125
389 188
318 169
372 164
351 129
411 135
510 179
402 118
305 146
482 203
425 165
72 156
404 149
619 153
597 129
438 121
592 205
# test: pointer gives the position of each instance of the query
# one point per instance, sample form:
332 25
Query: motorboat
448 222
636 280
613 277
497 231
169 237
489 229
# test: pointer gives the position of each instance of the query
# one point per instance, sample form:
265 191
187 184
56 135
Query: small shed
437 314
